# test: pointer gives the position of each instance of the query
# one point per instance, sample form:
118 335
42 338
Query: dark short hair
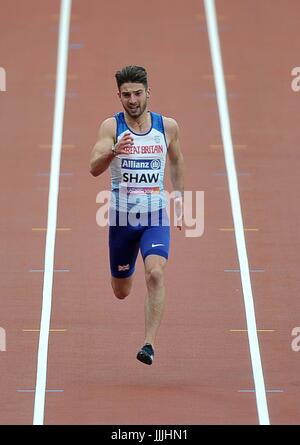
132 73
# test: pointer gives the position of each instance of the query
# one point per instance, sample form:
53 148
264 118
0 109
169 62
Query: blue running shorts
150 234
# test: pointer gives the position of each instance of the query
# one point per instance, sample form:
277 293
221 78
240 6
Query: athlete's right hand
124 144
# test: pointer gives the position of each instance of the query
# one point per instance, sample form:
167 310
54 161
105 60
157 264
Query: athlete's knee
122 291
155 276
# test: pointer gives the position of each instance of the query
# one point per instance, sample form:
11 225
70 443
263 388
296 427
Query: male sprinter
134 144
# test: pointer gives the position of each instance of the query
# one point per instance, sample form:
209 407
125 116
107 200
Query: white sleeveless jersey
137 177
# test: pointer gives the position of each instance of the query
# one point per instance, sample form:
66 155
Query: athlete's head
133 89
132 74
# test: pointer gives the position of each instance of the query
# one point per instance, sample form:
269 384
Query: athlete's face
134 98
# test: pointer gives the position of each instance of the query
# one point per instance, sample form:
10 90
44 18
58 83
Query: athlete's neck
141 124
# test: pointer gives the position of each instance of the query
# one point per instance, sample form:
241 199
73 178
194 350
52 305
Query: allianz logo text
141 164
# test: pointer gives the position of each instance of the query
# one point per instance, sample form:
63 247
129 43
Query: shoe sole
144 358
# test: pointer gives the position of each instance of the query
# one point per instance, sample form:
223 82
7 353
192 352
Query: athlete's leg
123 251
154 245
155 298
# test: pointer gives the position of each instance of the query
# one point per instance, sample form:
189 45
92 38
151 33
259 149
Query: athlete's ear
119 94
148 93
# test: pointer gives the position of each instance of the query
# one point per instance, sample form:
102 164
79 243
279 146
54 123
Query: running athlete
134 144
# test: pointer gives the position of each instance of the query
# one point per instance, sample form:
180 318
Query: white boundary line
213 35
60 94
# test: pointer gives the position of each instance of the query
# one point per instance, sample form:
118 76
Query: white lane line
60 94
46 174
251 270
43 270
213 35
47 390
267 390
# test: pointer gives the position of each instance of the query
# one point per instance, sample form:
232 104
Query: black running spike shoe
146 354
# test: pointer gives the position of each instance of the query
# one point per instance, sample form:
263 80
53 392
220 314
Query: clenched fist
123 145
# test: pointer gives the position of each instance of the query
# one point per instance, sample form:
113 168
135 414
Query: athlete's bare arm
102 153
175 154
176 166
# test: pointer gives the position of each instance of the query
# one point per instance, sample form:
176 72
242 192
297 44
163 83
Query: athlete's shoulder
170 125
107 127
109 122
170 121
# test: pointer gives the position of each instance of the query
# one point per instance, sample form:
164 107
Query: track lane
264 118
26 119
97 384
203 386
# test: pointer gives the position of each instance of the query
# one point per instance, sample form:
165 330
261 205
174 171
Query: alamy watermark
295 84
295 344
186 211
2 340
2 79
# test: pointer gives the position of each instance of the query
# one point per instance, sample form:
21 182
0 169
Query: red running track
202 364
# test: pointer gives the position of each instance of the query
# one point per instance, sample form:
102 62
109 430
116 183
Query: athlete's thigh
155 241
123 250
